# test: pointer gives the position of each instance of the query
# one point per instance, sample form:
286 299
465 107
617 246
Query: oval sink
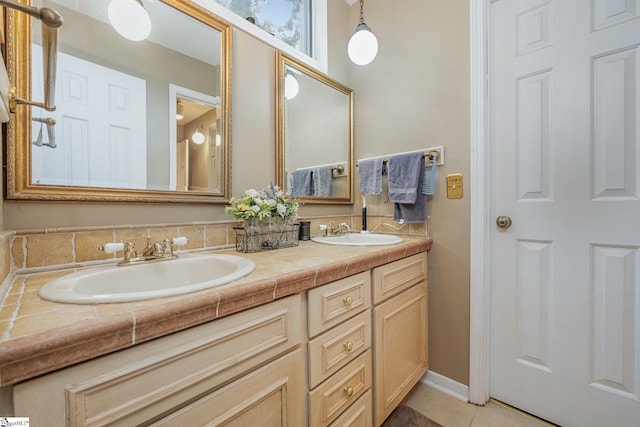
189 273
359 239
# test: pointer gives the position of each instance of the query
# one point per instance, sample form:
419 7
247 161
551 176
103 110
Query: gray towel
370 176
322 179
412 213
301 182
405 171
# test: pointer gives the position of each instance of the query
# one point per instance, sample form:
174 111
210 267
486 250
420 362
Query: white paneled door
100 130
565 168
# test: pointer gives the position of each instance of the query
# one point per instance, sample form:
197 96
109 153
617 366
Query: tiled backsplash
35 250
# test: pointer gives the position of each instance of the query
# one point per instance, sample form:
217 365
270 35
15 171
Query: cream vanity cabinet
244 369
364 348
400 340
367 343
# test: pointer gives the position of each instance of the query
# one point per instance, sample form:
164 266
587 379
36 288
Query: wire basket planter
250 240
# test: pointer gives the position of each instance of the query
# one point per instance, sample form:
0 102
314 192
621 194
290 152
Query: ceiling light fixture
198 137
129 19
363 45
291 86
179 111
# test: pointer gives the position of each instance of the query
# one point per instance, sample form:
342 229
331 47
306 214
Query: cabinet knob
347 301
348 346
348 391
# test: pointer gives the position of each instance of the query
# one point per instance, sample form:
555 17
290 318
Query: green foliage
290 32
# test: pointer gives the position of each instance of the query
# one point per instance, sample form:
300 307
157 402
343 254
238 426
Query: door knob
503 222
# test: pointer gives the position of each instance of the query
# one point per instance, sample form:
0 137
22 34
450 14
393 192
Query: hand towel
322 179
370 176
404 172
429 178
413 213
301 182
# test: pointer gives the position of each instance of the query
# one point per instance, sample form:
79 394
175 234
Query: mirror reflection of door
105 145
198 154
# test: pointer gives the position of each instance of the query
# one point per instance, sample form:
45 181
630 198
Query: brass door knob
503 222
347 301
348 346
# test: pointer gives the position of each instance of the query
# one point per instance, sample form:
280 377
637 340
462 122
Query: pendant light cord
361 11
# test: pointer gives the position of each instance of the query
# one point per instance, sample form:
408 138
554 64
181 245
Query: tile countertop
38 336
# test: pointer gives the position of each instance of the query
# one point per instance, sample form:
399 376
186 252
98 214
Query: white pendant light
129 19
291 86
198 137
363 45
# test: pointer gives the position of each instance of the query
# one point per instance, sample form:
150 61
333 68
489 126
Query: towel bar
428 155
51 22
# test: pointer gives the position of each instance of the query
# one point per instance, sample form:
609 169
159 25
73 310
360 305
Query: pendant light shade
129 19
363 45
291 86
198 136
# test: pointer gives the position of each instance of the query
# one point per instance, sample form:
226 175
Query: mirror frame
282 61
18 130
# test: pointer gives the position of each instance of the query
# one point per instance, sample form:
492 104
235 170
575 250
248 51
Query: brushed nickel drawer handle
348 346
347 301
348 391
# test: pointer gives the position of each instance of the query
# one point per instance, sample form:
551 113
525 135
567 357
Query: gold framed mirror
314 154
160 134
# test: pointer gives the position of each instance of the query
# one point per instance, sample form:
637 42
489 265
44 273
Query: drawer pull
348 391
347 301
348 346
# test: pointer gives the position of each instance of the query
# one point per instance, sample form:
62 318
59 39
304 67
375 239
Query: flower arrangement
263 204
266 216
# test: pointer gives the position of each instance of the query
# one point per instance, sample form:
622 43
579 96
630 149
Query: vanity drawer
335 302
338 346
357 415
395 277
332 397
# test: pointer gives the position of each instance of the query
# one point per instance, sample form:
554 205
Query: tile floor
451 412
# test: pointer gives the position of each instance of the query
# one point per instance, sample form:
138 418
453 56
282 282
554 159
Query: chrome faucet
152 252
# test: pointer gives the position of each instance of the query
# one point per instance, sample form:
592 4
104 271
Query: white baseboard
446 385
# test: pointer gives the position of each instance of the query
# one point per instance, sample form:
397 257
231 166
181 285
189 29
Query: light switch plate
454 186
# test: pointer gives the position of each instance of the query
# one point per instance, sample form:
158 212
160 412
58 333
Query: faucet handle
179 241
112 247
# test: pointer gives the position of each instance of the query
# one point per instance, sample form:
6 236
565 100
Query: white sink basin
359 239
189 273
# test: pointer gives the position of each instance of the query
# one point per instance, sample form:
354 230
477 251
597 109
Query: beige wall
414 95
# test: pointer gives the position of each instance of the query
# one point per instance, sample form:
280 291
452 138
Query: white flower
252 193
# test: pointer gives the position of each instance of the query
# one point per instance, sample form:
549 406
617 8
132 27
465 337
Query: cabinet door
272 396
400 348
